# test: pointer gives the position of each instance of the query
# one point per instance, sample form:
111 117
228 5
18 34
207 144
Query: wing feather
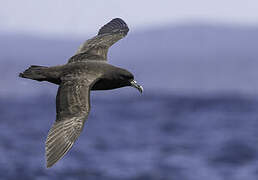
115 25
59 143
97 47
73 106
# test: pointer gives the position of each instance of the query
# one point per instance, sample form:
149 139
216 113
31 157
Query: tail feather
34 72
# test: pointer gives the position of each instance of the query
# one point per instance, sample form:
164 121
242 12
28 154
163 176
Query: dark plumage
86 70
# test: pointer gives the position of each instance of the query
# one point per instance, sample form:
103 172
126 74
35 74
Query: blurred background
197 118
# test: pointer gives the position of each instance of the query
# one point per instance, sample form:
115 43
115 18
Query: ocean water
149 137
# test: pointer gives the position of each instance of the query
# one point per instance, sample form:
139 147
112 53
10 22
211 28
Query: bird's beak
137 86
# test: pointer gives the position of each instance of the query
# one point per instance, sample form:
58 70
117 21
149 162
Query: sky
80 17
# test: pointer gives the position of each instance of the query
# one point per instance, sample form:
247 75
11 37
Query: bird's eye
123 77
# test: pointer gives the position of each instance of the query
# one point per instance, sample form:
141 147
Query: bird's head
116 78
126 78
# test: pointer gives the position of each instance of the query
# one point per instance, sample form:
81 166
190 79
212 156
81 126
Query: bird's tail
35 73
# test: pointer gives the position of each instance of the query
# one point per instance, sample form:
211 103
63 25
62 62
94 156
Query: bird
88 69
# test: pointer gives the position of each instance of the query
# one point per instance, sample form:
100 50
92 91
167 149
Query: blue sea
149 137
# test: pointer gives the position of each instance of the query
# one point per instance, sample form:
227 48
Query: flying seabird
87 70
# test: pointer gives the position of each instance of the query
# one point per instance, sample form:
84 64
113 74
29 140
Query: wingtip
49 164
49 161
113 26
21 75
53 157
57 145
118 20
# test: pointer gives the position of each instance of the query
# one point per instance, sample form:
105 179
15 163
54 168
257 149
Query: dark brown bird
86 70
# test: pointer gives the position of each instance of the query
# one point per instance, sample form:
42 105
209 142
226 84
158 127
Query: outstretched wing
72 106
96 48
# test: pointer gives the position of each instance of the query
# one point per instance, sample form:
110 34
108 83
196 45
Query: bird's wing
72 106
96 48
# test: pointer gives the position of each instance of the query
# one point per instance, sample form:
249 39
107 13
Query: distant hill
182 59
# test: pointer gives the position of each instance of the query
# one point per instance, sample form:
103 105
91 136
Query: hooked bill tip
137 86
